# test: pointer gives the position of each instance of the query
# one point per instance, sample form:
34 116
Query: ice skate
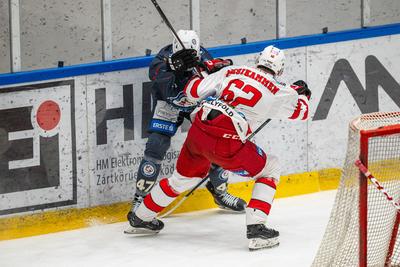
139 227
226 201
261 237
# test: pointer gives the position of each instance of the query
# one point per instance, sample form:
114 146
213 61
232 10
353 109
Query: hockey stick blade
174 208
184 198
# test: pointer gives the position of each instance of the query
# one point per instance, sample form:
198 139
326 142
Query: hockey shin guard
218 178
147 176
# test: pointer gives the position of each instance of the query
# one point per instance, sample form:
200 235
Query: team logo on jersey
149 169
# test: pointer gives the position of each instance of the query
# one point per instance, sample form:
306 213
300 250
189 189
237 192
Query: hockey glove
301 88
215 65
184 59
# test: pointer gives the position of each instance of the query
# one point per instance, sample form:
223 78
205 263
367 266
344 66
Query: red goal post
363 226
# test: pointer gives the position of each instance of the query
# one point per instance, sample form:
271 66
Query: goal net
363 225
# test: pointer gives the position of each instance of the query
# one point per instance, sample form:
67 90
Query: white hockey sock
258 209
160 196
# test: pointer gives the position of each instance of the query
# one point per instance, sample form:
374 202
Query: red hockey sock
160 197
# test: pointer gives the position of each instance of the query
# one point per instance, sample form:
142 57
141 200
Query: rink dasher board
99 152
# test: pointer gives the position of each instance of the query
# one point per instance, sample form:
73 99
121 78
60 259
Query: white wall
4 37
71 30
301 146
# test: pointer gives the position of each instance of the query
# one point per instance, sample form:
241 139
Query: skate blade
259 243
140 231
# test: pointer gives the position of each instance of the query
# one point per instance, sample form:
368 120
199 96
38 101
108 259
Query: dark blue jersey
168 83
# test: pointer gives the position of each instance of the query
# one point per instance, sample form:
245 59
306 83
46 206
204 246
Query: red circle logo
48 115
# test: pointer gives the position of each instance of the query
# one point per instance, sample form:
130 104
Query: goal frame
365 135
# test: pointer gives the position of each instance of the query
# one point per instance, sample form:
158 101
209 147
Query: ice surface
207 238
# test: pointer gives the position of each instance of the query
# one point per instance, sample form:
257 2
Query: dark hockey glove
215 65
184 59
301 88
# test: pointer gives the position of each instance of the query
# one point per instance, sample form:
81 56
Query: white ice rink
208 238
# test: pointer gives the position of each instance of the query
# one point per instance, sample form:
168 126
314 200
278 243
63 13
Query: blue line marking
221 51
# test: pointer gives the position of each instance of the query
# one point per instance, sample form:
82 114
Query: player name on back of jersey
255 76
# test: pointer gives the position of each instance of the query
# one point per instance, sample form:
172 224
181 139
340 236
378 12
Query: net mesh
340 244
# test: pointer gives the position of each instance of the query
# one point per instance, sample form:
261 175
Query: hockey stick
184 197
169 25
165 19
258 129
375 182
206 178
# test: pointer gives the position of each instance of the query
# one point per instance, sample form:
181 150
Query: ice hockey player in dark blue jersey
169 71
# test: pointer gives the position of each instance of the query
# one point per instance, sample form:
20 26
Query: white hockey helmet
189 38
272 58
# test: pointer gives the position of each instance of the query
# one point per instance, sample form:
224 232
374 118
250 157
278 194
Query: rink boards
71 139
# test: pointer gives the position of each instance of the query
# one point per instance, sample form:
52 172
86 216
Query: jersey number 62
251 98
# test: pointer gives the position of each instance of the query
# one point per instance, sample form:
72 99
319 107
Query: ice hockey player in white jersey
234 102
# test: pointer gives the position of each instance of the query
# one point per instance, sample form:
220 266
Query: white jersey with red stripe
251 92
